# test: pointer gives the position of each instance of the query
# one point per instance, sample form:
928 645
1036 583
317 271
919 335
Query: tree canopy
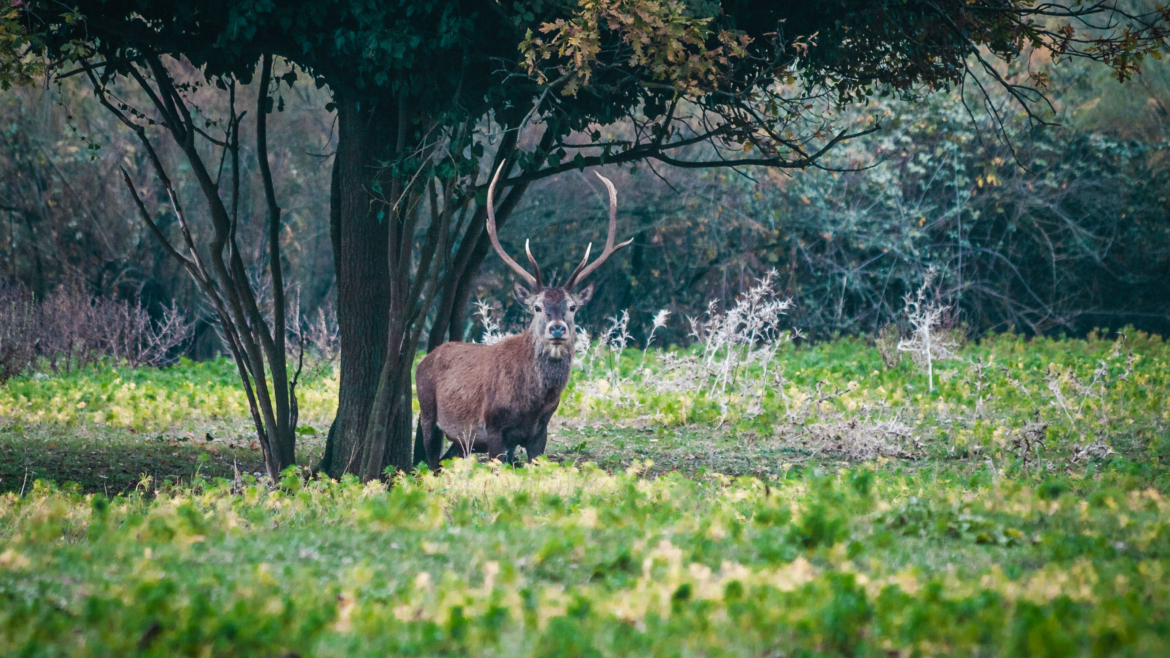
755 66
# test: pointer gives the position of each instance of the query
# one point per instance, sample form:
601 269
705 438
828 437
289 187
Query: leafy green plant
572 560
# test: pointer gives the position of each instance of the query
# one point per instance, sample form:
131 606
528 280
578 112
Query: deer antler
535 267
534 282
584 270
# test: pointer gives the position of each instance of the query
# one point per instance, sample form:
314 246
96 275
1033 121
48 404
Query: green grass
188 395
558 560
106 428
136 420
740 532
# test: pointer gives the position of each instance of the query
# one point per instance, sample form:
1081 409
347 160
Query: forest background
1043 227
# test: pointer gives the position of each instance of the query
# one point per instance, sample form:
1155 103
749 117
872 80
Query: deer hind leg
428 417
432 438
432 435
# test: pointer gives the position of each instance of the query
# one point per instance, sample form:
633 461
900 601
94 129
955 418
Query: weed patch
554 559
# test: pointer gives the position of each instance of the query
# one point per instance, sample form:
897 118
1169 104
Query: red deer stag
501 396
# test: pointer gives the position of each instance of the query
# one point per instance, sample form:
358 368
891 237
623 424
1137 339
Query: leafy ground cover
105 428
559 560
839 507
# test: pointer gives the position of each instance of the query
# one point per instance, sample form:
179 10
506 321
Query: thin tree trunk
284 441
452 313
254 346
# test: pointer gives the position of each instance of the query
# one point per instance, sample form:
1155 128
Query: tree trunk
360 242
384 295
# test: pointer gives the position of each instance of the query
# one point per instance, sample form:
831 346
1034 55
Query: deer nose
557 330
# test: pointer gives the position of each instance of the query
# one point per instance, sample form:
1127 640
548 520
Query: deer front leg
535 447
494 439
511 442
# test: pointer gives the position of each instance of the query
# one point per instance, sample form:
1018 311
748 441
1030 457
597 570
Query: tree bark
360 242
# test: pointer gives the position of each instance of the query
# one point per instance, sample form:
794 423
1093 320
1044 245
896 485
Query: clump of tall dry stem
71 329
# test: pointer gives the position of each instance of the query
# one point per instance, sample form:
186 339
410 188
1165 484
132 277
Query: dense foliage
1075 241
1056 230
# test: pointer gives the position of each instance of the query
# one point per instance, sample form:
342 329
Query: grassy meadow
827 499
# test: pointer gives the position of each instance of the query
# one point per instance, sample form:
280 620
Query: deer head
553 309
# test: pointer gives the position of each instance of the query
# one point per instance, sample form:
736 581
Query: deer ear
585 295
522 294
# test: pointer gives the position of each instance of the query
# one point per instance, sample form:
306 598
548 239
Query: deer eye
538 309
572 309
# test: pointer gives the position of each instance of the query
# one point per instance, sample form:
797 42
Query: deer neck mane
552 370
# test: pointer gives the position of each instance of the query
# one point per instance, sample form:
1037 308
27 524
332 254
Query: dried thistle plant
749 332
1078 397
929 340
876 430
979 367
1029 442
660 319
466 442
1099 449
734 363
492 333
581 344
856 439
616 339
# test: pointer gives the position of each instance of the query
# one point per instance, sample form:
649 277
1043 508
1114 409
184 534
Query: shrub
17 331
69 328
